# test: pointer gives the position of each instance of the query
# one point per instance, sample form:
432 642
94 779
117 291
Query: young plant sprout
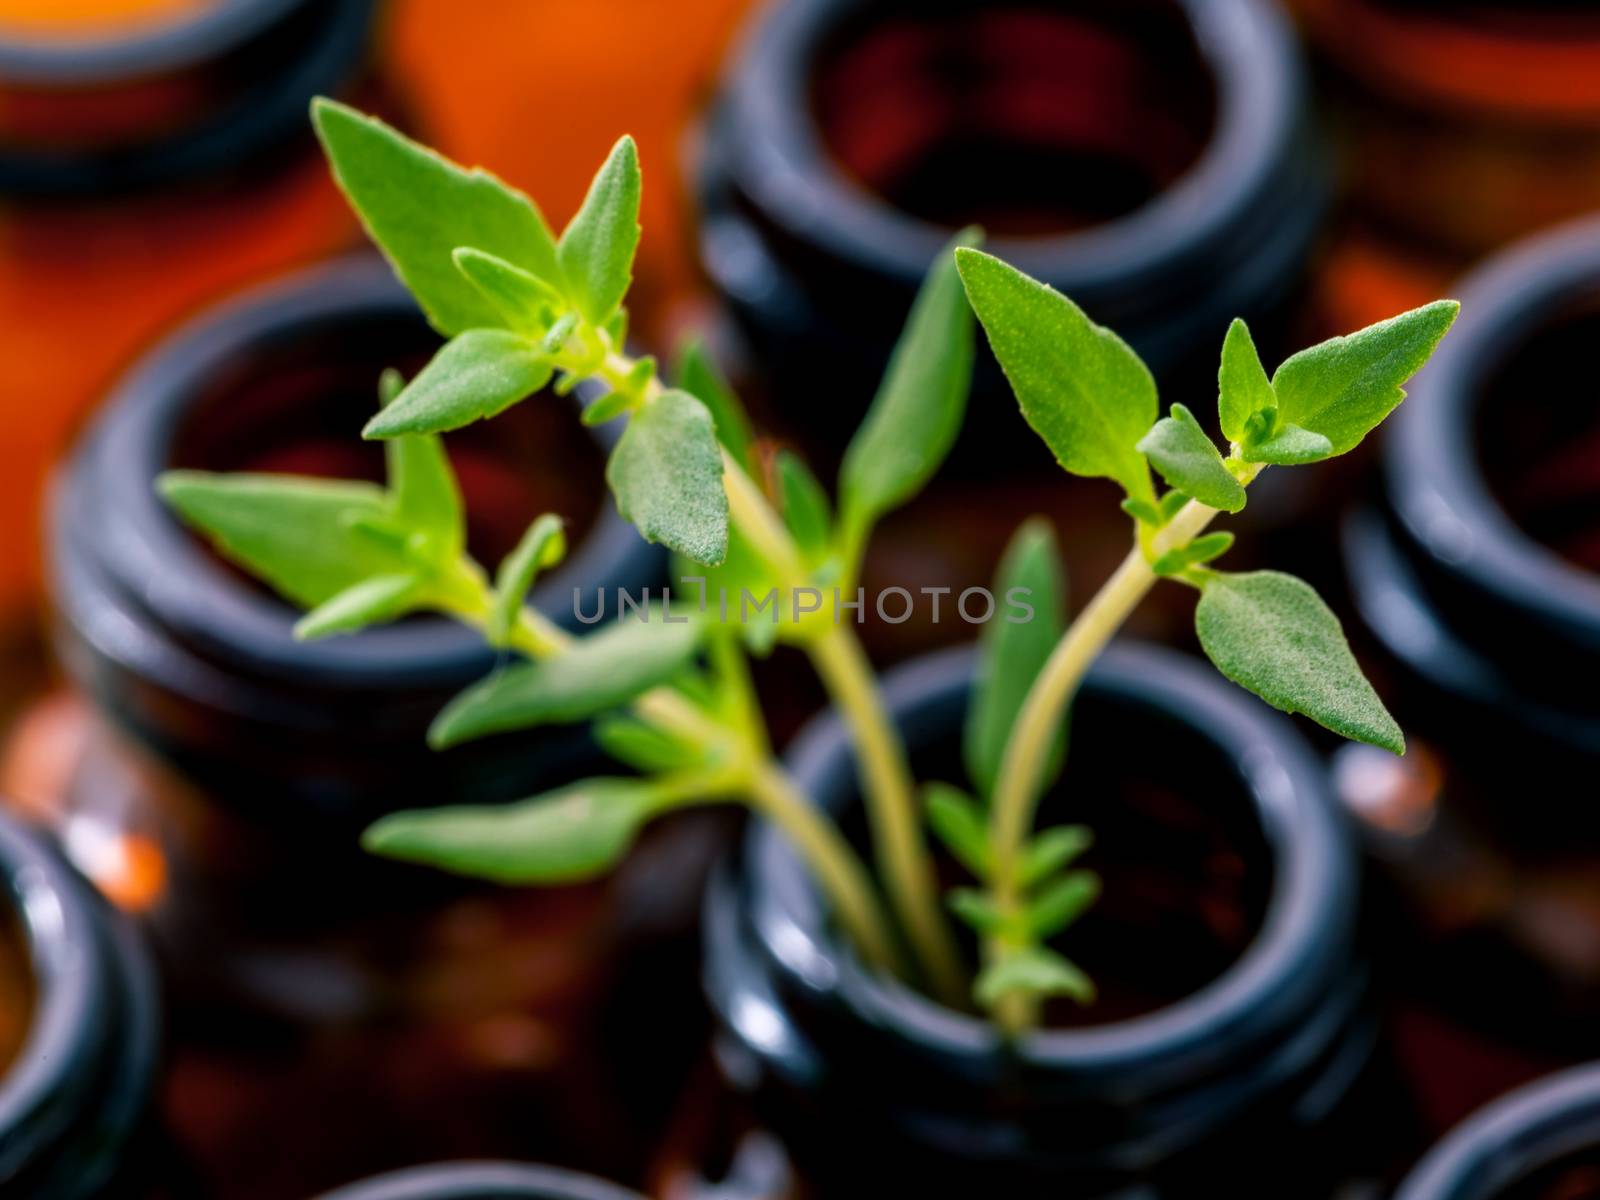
670 698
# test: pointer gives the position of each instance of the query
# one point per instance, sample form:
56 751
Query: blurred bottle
153 154
212 775
1476 576
1466 124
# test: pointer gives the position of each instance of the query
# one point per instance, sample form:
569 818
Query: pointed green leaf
1344 387
1062 902
1291 446
373 601
960 824
297 535
666 473
1053 849
418 207
565 836
1243 389
1189 460
1081 388
479 374
699 376
522 299
598 244
975 909
1271 634
1034 971
1201 550
643 746
917 412
1169 505
424 494
1011 654
602 671
543 545
805 505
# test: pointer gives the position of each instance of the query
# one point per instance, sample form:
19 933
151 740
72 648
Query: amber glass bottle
153 155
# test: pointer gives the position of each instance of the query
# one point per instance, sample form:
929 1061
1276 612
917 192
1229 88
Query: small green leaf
1291 446
643 746
1344 387
543 545
975 909
1062 902
1271 634
520 298
479 374
1143 510
741 572
1243 390
805 505
1201 550
1188 460
699 376
666 473
565 836
423 494
1169 505
373 601
917 412
1011 654
1053 849
960 824
1036 971
298 535
602 671
598 244
1081 388
418 207
608 407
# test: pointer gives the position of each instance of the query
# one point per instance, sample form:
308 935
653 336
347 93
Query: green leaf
521 299
1142 510
698 375
602 671
960 824
1344 387
476 375
1243 389
418 207
607 407
917 412
1272 634
298 535
1169 505
543 545
1200 550
1035 971
424 496
1053 849
1080 386
643 746
1291 446
805 505
1011 654
565 836
975 909
741 571
1062 902
598 244
373 601
1189 460
666 473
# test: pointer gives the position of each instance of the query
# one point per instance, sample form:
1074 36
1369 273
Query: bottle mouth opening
1030 119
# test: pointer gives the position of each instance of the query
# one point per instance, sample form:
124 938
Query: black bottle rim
75 1094
769 142
1433 482
322 44
482 1181
1510 1138
121 560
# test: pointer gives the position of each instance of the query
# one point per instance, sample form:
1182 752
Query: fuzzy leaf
543 545
1202 550
1271 634
1035 971
602 671
598 244
1344 387
519 297
960 824
1291 446
1011 654
1188 460
371 602
1080 386
699 376
418 207
479 374
565 836
666 473
917 412
1243 389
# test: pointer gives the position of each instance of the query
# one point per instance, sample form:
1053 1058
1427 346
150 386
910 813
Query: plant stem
1022 766
903 858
